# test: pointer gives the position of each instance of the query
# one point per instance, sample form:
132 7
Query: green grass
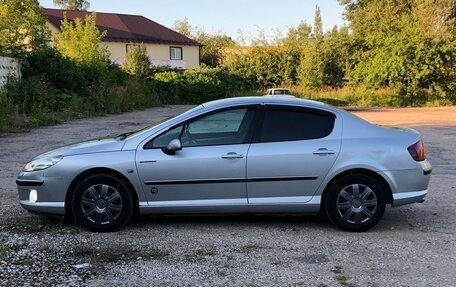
248 248
361 97
133 96
206 252
114 253
337 270
342 279
3 249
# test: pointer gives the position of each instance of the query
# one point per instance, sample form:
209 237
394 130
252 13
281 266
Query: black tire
354 210
102 203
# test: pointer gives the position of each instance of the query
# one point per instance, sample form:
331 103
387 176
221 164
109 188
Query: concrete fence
10 68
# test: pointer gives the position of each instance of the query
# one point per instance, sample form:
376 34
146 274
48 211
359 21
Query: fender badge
154 190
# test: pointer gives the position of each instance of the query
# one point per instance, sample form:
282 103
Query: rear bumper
408 185
402 198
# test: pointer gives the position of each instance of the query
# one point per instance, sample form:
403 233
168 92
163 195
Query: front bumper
45 208
50 196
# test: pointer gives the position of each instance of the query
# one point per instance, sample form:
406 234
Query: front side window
163 140
220 128
292 125
176 53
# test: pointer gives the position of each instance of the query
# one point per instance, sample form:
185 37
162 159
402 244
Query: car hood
91 146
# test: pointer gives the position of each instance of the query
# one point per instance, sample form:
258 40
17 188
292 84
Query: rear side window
293 125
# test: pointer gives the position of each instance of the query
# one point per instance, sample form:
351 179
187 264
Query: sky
228 16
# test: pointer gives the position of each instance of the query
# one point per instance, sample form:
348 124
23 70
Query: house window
128 47
175 53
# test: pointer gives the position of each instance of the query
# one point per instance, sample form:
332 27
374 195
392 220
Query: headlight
42 163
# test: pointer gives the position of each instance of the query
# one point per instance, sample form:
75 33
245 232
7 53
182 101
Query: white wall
158 54
9 68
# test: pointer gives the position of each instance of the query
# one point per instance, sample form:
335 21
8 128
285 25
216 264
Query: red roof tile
124 28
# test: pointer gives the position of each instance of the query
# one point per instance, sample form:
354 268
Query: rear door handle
232 155
323 151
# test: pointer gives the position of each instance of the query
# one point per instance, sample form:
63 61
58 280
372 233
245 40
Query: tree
437 18
212 44
337 50
294 42
183 27
312 65
398 51
318 26
22 27
311 68
297 37
211 52
137 62
81 41
80 5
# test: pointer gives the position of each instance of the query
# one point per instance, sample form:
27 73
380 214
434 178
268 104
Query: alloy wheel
101 204
357 203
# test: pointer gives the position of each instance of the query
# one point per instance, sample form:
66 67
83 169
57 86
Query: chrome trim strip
197 202
230 180
195 181
29 182
286 200
42 204
280 178
305 200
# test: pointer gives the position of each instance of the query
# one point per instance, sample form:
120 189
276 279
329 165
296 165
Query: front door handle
232 155
323 151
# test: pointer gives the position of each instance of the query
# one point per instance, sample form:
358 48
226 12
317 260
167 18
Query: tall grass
361 97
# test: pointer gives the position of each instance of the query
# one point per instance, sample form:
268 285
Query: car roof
263 100
278 89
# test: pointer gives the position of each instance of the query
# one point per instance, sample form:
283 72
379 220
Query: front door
210 170
291 154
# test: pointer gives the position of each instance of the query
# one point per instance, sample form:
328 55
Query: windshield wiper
123 136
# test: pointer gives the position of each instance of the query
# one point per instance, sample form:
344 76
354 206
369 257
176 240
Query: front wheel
103 203
355 202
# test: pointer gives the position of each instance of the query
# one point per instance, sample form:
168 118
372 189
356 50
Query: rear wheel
102 203
355 202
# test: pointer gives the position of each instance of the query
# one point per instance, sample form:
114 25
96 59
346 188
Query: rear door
292 152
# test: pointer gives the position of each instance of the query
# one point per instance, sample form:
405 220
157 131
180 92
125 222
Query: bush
62 72
8 113
383 97
137 62
54 88
33 94
200 85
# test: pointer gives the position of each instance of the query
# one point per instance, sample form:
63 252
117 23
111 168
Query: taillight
417 151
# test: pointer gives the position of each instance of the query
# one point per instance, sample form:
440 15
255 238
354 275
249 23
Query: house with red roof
164 46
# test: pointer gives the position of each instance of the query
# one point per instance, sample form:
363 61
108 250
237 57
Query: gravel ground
412 246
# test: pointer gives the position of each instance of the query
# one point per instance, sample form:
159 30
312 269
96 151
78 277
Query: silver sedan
238 155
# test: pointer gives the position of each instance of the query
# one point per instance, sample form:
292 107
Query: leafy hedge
200 85
54 88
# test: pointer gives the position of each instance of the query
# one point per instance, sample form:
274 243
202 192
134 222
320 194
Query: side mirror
173 146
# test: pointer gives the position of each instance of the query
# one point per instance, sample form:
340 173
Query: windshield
138 132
